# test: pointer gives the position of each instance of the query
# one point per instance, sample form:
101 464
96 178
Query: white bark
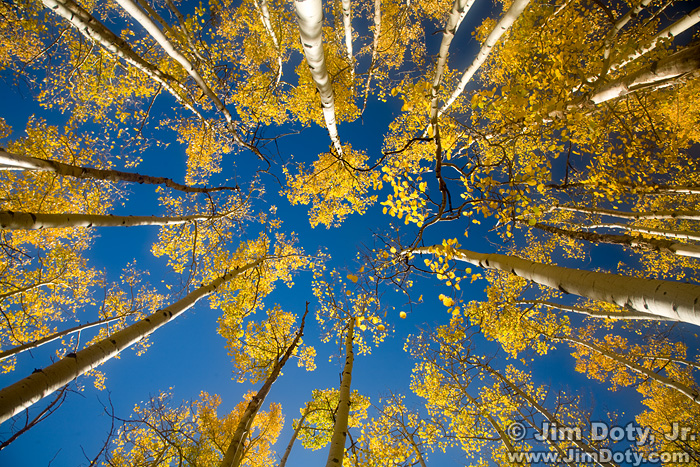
680 26
503 25
679 234
11 220
674 66
265 18
347 26
622 315
41 383
375 45
675 300
95 31
647 373
310 20
340 428
617 27
459 10
10 161
658 215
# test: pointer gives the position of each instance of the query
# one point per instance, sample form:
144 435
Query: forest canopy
394 232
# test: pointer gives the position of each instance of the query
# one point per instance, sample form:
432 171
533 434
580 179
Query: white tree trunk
681 63
622 315
647 373
10 161
95 31
347 26
680 26
457 14
11 220
679 234
656 215
310 20
267 23
503 25
41 383
375 45
675 300
340 428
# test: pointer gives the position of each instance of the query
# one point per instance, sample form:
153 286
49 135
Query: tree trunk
347 26
41 383
675 66
647 373
503 25
675 300
375 45
310 20
11 220
679 234
459 10
288 451
656 215
5 354
622 315
95 31
236 448
337 449
654 244
265 18
18 162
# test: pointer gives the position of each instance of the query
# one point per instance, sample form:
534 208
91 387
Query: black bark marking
113 341
562 289
71 355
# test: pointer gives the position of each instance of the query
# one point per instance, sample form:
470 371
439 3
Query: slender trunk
41 383
19 162
677 65
183 25
265 18
5 354
550 417
674 300
545 435
11 220
638 189
337 449
375 45
657 215
505 438
236 448
95 31
622 315
288 451
654 244
503 25
680 26
310 20
679 234
347 26
693 394
459 10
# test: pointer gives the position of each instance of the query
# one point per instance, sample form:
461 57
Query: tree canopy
441 232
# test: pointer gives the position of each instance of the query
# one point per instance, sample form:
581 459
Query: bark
19 162
288 451
375 45
675 66
41 383
675 300
623 314
5 354
680 234
347 26
337 449
11 220
658 215
693 394
310 20
551 418
236 448
653 244
680 26
95 31
459 10
503 25
265 18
